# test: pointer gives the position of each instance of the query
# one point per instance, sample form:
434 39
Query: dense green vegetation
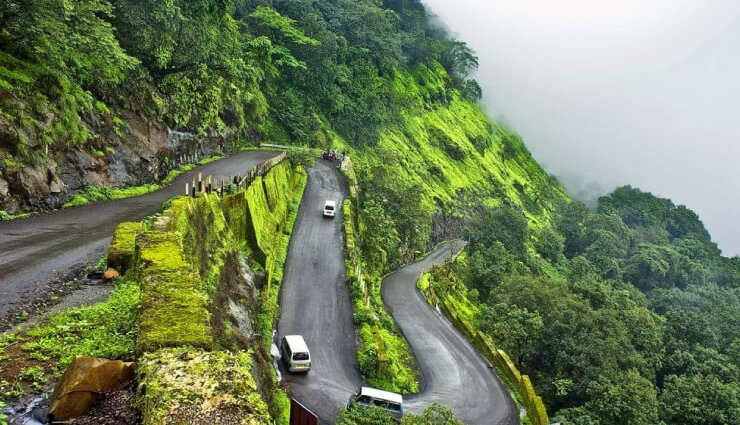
624 315
432 415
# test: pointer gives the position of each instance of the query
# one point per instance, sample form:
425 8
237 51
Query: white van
294 351
387 400
330 208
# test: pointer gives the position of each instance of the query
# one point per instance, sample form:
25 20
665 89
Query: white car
371 397
330 208
294 351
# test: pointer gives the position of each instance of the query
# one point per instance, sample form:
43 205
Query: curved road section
455 374
40 249
315 302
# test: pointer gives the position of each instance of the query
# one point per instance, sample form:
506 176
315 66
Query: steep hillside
117 93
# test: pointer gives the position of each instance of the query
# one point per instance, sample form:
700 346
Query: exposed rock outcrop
131 151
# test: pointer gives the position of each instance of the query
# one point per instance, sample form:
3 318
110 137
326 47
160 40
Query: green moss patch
174 308
205 235
384 358
235 213
185 386
121 251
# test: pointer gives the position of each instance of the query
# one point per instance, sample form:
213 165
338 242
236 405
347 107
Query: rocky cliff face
128 151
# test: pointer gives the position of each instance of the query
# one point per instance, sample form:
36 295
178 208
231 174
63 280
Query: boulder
84 381
30 182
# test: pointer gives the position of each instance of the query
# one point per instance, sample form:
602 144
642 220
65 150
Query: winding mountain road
455 374
315 302
44 248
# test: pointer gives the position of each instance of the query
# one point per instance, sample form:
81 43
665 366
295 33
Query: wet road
315 302
40 249
455 374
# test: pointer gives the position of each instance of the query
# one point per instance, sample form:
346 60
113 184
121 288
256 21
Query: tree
489 267
433 415
505 225
550 244
569 222
516 329
380 239
699 400
624 399
360 415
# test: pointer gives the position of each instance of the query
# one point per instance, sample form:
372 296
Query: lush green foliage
195 64
432 415
106 329
626 315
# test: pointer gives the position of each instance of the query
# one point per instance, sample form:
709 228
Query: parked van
294 351
387 400
330 209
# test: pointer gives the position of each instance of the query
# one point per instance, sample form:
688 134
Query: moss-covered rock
174 308
235 213
121 250
205 236
186 386
261 223
277 186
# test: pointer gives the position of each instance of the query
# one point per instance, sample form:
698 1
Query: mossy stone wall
234 208
186 386
205 235
174 308
121 250
181 267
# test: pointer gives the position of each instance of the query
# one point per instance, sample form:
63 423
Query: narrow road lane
315 301
40 249
455 374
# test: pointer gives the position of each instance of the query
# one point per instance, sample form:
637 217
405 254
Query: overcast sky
613 92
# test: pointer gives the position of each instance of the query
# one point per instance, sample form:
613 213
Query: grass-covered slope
444 156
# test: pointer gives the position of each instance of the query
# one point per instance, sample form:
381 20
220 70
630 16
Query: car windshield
300 356
330 207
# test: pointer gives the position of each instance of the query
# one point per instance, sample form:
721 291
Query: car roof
296 343
384 395
331 203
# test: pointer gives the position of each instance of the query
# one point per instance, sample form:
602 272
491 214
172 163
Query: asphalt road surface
315 302
40 249
455 374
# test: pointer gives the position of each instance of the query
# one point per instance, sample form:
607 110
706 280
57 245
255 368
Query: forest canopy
624 315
